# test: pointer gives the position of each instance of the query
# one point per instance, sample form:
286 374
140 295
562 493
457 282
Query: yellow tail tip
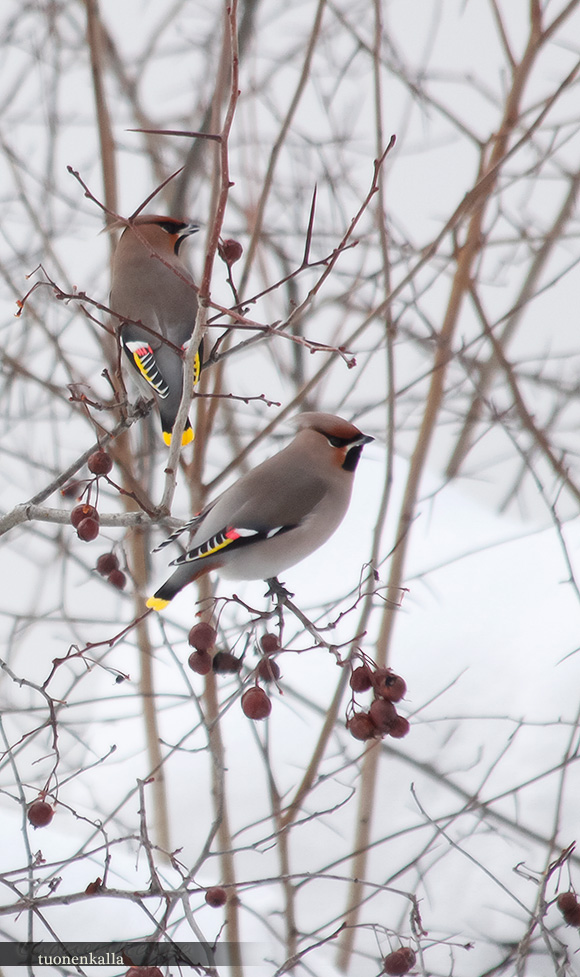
187 437
157 604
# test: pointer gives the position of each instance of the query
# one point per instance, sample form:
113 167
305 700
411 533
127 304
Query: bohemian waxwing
151 285
277 514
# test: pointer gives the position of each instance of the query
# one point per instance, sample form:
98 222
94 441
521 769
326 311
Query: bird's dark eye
172 227
338 442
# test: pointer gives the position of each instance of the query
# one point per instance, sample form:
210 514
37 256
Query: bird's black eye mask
176 229
172 226
338 442
353 451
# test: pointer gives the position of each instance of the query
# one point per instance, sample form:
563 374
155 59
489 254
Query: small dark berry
399 962
216 896
361 726
360 679
40 813
100 463
268 670
388 685
399 727
200 662
269 643
230 250
88 529
256 704
383 714
568 906
202 636
117 579
106 563
83 511
224 662
567 900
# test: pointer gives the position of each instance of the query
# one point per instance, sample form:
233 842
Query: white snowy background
479 799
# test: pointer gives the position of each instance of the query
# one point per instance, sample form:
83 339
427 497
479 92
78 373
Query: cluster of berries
108 566
381 719
84 517
86 521
255 703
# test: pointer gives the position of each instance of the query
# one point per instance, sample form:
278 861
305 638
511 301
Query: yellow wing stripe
144 360
213 545
196 362
196 368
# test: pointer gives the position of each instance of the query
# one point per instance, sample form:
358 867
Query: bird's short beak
364 439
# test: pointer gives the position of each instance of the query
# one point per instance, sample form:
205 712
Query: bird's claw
277 589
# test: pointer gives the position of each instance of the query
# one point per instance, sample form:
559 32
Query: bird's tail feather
176 582
187 437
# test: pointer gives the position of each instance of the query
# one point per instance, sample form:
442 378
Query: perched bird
277 514
151 285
